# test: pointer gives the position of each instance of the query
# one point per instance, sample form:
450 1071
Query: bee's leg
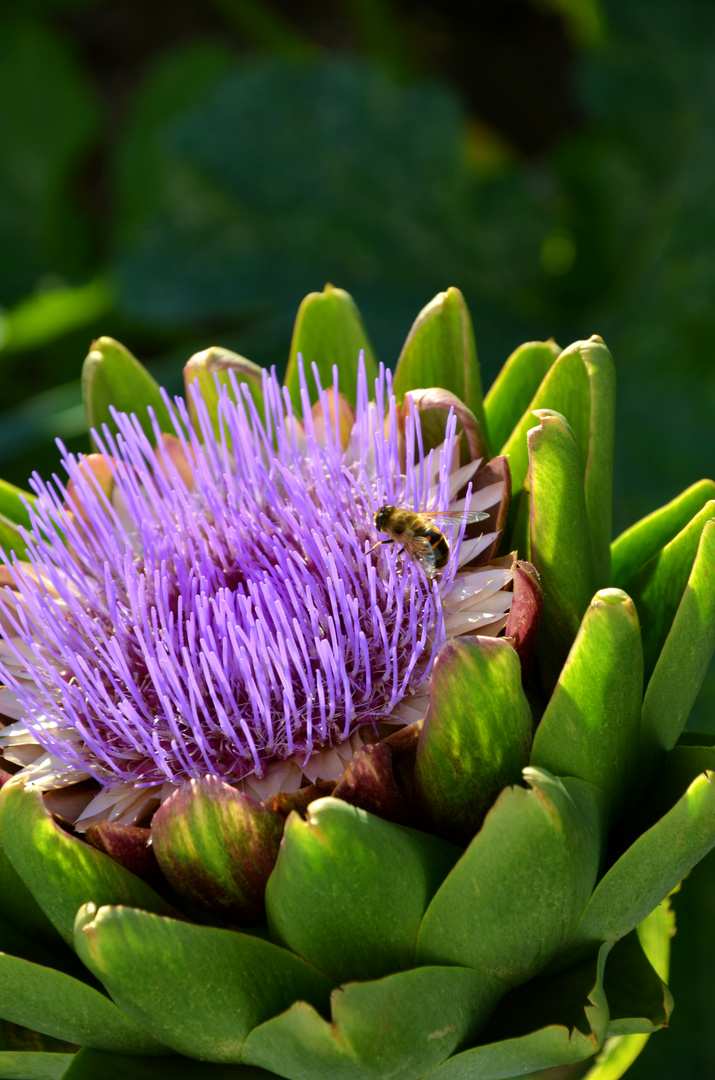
379 544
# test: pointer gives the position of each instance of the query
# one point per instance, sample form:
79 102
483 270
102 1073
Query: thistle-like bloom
206 603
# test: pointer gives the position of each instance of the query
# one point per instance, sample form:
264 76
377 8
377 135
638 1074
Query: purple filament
222 628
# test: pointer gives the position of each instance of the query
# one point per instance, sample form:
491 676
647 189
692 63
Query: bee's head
382 516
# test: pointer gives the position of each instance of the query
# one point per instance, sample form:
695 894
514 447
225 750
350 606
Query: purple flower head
211 604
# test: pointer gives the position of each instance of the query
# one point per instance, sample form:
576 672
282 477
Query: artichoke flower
287 800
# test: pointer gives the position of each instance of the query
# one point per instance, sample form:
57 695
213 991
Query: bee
418 534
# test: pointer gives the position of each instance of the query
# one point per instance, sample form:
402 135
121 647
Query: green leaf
349 889
22 1039
514 387
217 847
13 512
590 728
598 481
54 413
402 1026
642 541
26 1065
517 894
697 738
15 943
639 1001
520 539
551 1021
617 1055
560 540
61 871
657 588
97 1065
46 138
476 737
18 906
683 661
243 258
57 956
178 78
198 989
581 386
10 538
655 934
55 1004
650 868
11 506
440 351
262 25
217 364
50 314
682 765
112 376
329 331
620 1051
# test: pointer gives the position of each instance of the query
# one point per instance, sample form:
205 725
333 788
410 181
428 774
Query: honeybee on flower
419 535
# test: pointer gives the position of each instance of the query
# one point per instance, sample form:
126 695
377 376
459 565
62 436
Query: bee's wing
457 517
421 551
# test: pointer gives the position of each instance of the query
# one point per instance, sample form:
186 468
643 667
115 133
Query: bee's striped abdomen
439 546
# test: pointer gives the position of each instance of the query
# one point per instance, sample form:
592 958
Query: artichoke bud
467 896
440 351
590 728
560 540
114 380
217 365
217 847
476 737
328 332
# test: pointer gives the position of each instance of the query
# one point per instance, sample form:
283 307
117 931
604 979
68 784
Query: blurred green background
180 173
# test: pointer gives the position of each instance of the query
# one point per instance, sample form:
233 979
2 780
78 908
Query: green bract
483 894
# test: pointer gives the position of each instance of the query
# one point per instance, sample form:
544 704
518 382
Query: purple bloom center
239 622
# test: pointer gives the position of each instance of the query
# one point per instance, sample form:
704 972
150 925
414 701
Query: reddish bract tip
96 469
369 782
128 845
522 626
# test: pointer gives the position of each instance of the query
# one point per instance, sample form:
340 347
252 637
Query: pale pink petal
10 706
466 622
123 804
481 500
412 709
285 776
346 417
471 548
457 480
477 586
48 771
